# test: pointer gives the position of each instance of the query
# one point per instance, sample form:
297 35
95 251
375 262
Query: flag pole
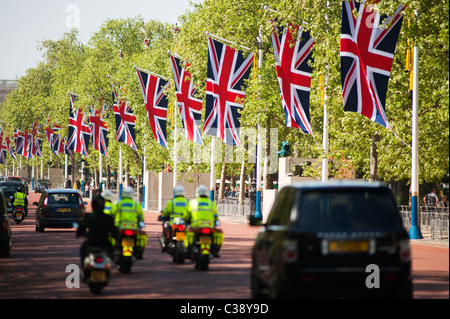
258 214
414 232
212 177
225 40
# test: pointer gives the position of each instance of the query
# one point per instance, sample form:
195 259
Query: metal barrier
232 207
431 220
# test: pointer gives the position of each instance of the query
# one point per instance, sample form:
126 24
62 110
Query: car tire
257 286
39 228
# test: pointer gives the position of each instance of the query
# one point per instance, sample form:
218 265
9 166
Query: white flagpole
258 213
212 177
414 232
120 172
100 175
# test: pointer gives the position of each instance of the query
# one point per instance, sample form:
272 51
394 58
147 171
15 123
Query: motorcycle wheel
202 263
96 289
125 265
179 255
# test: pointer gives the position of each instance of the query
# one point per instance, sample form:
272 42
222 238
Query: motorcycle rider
174 208
101 228
107 195
20 199
128 215
202 212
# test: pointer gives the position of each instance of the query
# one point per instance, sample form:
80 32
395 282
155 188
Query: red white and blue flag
3 149
125 121
189 106
21 141
367 53
99 129
79 132
293 57
10 147
156 103
34 142
228 69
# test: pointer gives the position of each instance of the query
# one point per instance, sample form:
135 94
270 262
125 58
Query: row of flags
367 49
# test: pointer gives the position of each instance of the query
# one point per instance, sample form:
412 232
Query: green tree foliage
84 68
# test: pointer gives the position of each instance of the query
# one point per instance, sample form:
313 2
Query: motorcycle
128 251
96 270
201 252
176 247
18 214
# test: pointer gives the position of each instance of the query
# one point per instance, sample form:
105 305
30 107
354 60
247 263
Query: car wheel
257 286
39 228
4 250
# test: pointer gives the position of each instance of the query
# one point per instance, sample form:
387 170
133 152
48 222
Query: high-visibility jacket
202 213
128 214
108 208
175 208
19 199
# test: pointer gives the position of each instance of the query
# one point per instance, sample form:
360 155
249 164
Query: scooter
18 214
96 270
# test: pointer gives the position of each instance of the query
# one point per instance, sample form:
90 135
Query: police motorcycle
96 268
18 214
172 239
201 252
129 246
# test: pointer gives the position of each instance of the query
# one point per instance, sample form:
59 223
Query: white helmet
107 194
179 191
202 191
127 192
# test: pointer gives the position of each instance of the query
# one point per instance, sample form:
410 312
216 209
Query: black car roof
61 190
11 183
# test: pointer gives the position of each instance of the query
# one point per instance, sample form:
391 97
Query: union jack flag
3 149
227 71
190 107
156 102
10 148
79 132
34 142
125 121
367 52
292 59
56 139
99 129
21 141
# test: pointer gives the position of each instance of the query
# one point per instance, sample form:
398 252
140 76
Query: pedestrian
86 190
67 183
431 200
444 203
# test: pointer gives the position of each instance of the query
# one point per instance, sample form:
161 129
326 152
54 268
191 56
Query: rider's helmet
127 192
107 195
98 204
20 189
202 191
179 191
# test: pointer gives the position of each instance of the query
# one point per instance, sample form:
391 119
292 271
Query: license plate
128 242
64 210
179 236
98 276
205 240
19 215
348 246
8 199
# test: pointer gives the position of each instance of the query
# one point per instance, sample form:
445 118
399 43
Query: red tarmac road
37 267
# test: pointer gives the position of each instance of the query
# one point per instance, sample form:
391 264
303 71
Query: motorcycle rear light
205 231
98 259
128 232
180 227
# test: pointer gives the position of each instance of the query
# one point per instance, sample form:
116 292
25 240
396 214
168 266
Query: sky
24 24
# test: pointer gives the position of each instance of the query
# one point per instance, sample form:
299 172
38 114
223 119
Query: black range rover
333 240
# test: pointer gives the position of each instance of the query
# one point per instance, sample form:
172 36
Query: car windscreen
9 188
63 198
348 209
